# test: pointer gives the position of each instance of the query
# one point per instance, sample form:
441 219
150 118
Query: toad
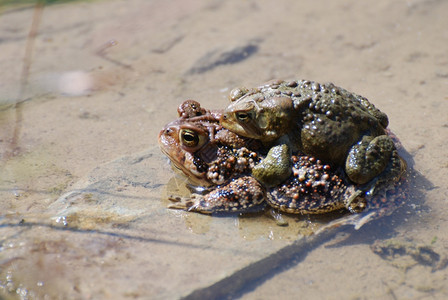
213 157
321 120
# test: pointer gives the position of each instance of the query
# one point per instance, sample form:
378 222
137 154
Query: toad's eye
189 138
243 117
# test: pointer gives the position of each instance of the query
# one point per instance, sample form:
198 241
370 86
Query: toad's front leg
243 194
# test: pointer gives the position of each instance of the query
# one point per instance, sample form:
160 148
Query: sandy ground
83 184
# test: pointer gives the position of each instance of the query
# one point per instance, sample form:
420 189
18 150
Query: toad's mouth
185 164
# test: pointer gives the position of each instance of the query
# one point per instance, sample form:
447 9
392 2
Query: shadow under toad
250 277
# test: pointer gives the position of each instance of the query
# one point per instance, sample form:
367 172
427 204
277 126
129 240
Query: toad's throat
187 167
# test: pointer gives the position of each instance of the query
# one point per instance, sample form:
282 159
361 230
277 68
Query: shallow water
83 184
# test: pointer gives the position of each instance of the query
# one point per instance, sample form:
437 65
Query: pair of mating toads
298 146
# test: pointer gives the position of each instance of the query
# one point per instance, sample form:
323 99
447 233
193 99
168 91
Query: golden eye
243 117
189 138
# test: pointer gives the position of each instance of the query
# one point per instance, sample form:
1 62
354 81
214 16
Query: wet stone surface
84 187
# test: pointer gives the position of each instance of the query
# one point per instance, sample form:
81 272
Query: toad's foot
244 194
356 202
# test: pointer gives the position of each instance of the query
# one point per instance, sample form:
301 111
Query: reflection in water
269 224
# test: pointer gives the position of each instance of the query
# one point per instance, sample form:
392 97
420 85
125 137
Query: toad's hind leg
243 194
394 172
368 158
